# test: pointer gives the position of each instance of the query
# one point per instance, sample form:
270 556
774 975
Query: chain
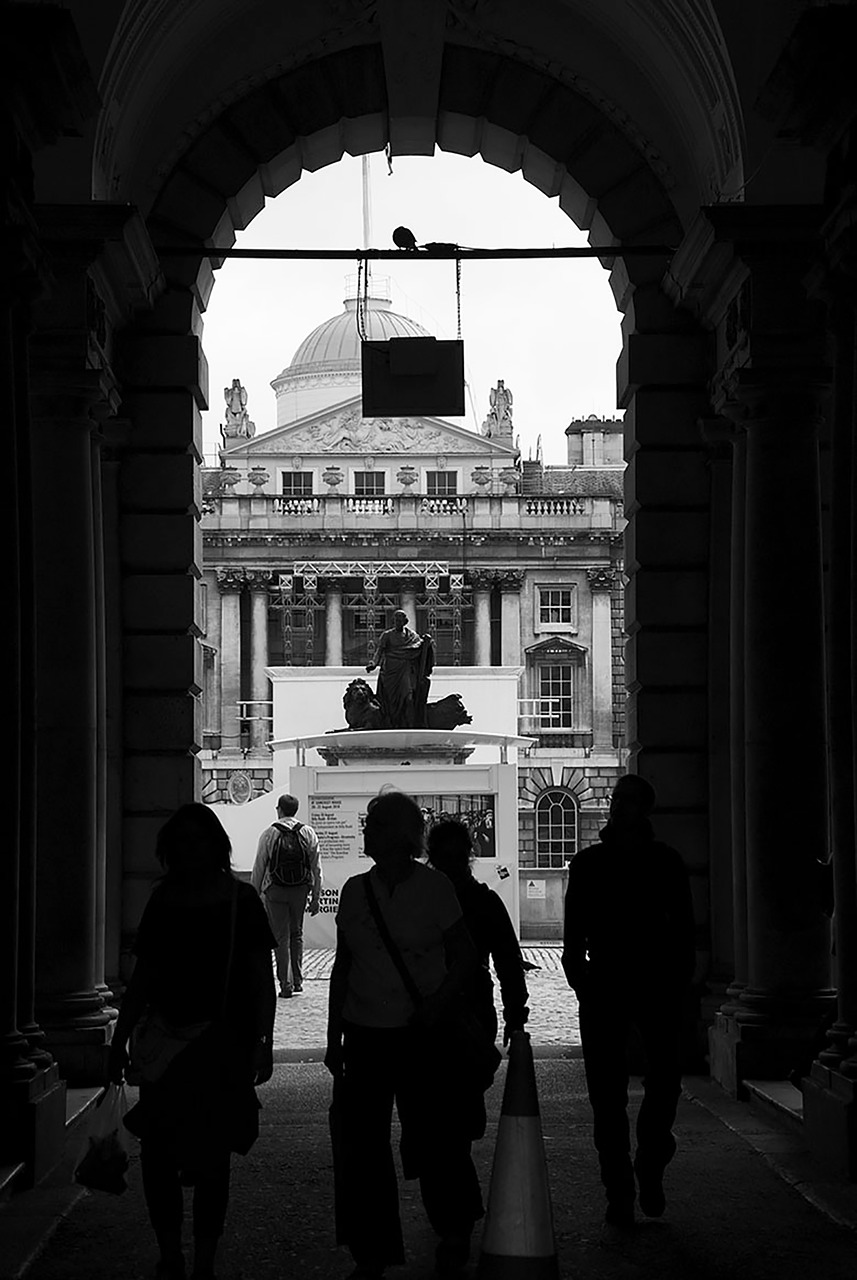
458 296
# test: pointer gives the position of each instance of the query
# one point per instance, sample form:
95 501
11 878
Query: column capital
482 579
258 579
510 580
601 578
719 435
230 579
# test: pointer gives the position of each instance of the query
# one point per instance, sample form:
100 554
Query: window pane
556 828
441 484
556 689
297 484
555 606
368 484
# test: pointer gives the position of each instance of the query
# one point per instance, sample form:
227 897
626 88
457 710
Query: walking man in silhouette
629 955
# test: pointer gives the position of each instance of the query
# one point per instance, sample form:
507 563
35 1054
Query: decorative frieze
601 578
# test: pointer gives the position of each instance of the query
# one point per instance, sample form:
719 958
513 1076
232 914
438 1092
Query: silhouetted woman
380 1047
203 993
450 850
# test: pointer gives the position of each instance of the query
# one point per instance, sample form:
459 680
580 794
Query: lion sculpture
362 708
447 713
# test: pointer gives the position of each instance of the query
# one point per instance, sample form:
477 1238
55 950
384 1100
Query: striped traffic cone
518 1242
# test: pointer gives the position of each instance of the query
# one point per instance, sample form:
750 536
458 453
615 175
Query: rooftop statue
237 423
499 420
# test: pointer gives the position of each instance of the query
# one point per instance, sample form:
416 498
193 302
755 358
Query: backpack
289 864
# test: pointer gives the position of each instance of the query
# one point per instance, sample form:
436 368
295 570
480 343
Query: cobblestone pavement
299 1031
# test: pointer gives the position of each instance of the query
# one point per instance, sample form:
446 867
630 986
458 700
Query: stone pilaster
408 599
482 582
259 583
601 585
333 623
510 582
231 584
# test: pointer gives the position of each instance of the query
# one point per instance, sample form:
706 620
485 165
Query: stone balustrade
395 513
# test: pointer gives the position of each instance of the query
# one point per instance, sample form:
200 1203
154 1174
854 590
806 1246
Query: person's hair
450 848
288 805
394 821
636 791
170 845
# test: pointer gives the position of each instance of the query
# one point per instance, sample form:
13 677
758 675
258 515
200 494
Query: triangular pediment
342 430
554 646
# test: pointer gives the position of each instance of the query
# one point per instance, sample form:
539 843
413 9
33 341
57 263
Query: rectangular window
369 484
556 691
555 608
297 484
441 484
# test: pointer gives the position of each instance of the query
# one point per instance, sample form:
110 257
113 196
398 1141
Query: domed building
326 366
316 529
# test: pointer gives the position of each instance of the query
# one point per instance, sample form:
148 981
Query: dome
325 369
335 345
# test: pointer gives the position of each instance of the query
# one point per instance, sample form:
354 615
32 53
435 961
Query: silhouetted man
287 873
629 955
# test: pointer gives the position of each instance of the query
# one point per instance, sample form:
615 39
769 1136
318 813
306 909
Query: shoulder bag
458 1035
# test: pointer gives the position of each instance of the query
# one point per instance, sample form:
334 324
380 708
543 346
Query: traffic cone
518 1241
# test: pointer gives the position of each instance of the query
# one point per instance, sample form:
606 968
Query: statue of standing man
405 660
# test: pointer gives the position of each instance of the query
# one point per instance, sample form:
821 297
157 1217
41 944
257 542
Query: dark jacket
495 939
628 915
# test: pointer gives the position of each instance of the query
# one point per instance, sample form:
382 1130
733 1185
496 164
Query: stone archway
519 119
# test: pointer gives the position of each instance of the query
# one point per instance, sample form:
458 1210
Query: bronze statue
405 660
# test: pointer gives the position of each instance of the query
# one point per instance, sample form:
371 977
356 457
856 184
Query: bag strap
387 939
233 914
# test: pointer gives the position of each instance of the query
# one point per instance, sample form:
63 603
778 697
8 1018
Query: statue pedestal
430 765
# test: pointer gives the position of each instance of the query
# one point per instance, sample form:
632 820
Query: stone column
71 1009
213 636
510 582
231 582
719 434
482 581
101 737
737 791
841 684
333 623
788 985
260 689
408 599
600 585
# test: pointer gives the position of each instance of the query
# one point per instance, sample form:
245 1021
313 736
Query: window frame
358 478
542 626
301 475
432 476
551 859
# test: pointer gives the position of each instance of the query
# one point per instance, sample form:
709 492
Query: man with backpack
287 876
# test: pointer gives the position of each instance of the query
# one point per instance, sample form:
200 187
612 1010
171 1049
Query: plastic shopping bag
104 1162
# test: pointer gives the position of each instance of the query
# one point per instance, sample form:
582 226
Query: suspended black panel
413 376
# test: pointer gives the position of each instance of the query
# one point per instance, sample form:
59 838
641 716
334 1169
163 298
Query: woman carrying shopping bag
200 1005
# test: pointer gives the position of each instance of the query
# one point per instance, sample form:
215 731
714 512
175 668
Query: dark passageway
729 1215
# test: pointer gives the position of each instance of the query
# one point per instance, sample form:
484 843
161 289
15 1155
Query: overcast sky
549 328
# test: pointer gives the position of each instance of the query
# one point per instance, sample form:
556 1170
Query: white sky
548 327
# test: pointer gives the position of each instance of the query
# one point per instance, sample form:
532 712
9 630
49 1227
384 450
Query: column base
830 1119
78 1029
762 1049
33 1125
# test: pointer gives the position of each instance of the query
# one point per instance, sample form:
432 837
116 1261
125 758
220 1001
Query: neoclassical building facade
316 530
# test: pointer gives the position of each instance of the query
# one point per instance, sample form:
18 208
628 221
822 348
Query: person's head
632 801
287 806
400 619
192 844
394 829
450 849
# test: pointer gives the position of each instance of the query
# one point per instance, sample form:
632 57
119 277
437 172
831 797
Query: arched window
556 828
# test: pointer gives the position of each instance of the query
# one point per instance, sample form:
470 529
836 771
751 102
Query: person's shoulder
426 880
587 856
667 855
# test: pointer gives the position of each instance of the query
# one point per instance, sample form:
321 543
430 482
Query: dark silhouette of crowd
411 1002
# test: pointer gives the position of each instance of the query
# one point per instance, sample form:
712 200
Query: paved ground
744 1200
730 1216
300 1026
